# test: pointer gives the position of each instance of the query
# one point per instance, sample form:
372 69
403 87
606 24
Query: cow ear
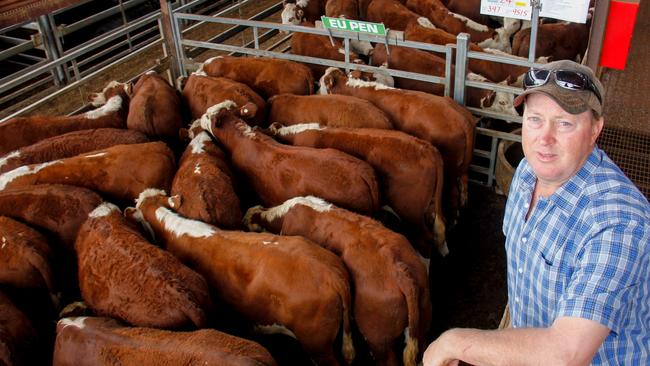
128 89
175 201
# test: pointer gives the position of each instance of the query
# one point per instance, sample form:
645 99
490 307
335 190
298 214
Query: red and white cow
69 144
559 41
438 120
205 184
391 287
22 131
123 276
298 11
86 341
399 160
394 14
277 172
26 256
201 92
155 108
120 171
57 209
267 76
327 110
278 283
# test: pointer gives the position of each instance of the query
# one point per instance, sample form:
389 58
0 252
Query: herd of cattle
277 176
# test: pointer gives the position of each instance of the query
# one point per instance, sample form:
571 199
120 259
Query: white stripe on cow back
426 23
6 158
315 203
197 169
113 104
180 226
9 176
104 209
206 118
198 142
139 217
470 23
294 129
274 329
97 155
149 192
77 322
358 83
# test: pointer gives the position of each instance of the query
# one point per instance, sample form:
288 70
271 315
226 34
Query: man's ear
596 129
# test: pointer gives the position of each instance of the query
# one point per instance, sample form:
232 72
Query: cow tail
439 226
412 332
347 346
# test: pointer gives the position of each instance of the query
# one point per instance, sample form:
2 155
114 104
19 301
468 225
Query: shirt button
520 270
516 299
524 239
526 205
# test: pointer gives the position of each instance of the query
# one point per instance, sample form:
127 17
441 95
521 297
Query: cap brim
572 101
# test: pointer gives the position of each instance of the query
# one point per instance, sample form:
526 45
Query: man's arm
569 341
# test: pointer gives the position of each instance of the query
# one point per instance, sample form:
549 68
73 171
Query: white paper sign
569 10
519 9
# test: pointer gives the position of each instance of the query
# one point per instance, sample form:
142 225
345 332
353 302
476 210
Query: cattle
205 184
26 256
297 11
94 341
363 8
18 337
559 41
58 209
468 8
348 9
69 144
314 45
120 172
22 131
391 290
414 60
327 110
438 120
123 276
494 71
201 92
155 108
277 283
394 15
451 22
277 172
267 76
399 160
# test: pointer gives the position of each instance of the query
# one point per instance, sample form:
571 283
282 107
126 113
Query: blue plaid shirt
583 252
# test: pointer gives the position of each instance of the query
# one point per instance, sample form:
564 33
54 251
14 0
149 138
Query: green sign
377 29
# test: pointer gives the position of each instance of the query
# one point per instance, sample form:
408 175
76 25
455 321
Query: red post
618 33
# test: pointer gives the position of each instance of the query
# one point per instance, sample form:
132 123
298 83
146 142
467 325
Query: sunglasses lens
571 80
536 78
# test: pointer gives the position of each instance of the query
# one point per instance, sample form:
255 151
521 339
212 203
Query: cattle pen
176 37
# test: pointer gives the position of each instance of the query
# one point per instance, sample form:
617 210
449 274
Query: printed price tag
519 9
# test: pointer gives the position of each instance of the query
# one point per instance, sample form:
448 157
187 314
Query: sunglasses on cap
571 80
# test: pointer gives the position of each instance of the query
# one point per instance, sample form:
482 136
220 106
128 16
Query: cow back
327 110
91 340
121 171
27 255
392 13
202 92
314 45
205 184
155 108
111 256
453 23
266 76
69 144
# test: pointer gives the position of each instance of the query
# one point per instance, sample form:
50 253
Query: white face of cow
501 41
291 14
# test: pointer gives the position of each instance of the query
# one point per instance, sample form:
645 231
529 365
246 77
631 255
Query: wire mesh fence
630 150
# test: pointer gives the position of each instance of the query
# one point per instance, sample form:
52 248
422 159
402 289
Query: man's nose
547 134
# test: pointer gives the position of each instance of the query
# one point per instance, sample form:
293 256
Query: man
577 241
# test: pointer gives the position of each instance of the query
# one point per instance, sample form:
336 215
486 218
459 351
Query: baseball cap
571 97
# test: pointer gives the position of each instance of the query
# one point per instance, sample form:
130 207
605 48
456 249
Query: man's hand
437 354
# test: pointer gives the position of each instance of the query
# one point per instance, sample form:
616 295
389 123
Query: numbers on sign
520 12
494 8
506 2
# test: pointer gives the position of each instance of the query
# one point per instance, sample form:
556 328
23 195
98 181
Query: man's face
556 143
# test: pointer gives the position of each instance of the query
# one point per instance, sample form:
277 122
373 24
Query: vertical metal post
534 24
462 45
51 50
448 61
346 42
172 39
256 39
125 22
598 23
493 159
